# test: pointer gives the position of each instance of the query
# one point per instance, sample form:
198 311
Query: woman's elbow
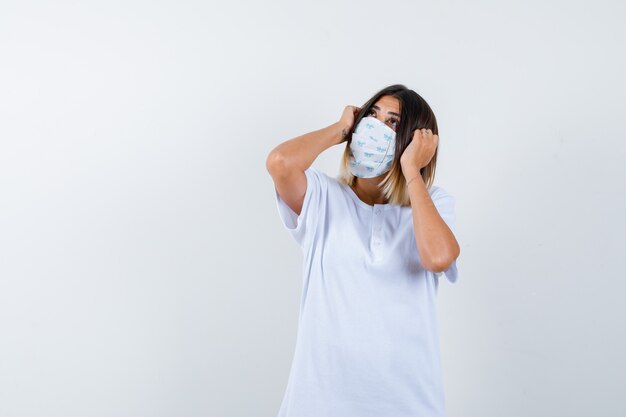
441 264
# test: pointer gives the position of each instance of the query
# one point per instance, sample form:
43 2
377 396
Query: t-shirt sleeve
445 204
302 227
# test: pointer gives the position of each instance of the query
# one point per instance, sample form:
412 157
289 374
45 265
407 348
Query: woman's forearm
435 241
300 152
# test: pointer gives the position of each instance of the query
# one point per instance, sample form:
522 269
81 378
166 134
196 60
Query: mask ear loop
387 151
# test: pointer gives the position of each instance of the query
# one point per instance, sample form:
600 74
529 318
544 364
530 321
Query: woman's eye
393 121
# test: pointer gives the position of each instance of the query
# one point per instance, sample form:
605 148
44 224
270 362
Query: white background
144 270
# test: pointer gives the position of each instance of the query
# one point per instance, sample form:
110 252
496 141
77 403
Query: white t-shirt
367 342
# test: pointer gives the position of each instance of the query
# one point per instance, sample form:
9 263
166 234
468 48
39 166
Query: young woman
375 241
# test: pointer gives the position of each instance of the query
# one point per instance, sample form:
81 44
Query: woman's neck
368 191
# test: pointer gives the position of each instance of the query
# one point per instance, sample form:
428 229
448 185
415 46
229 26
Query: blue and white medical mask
373 145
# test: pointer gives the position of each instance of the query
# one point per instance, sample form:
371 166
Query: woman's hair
415 113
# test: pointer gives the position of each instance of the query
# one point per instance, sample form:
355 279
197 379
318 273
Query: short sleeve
445 204
302 227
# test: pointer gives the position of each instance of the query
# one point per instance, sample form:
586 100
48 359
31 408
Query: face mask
373 145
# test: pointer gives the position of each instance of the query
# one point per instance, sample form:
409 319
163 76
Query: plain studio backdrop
144 270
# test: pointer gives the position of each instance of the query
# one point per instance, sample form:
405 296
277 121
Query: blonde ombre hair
415 113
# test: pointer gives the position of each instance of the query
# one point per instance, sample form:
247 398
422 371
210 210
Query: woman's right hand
347 118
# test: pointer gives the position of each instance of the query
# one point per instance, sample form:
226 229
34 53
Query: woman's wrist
413 179
410 172
341 131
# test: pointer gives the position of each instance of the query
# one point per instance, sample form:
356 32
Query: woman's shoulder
437 191
322 176
443 200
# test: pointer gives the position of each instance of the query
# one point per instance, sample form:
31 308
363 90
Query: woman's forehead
388 104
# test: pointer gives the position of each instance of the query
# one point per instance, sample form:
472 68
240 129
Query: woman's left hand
419 152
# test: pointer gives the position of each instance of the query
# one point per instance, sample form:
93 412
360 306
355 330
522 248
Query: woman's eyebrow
390 112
